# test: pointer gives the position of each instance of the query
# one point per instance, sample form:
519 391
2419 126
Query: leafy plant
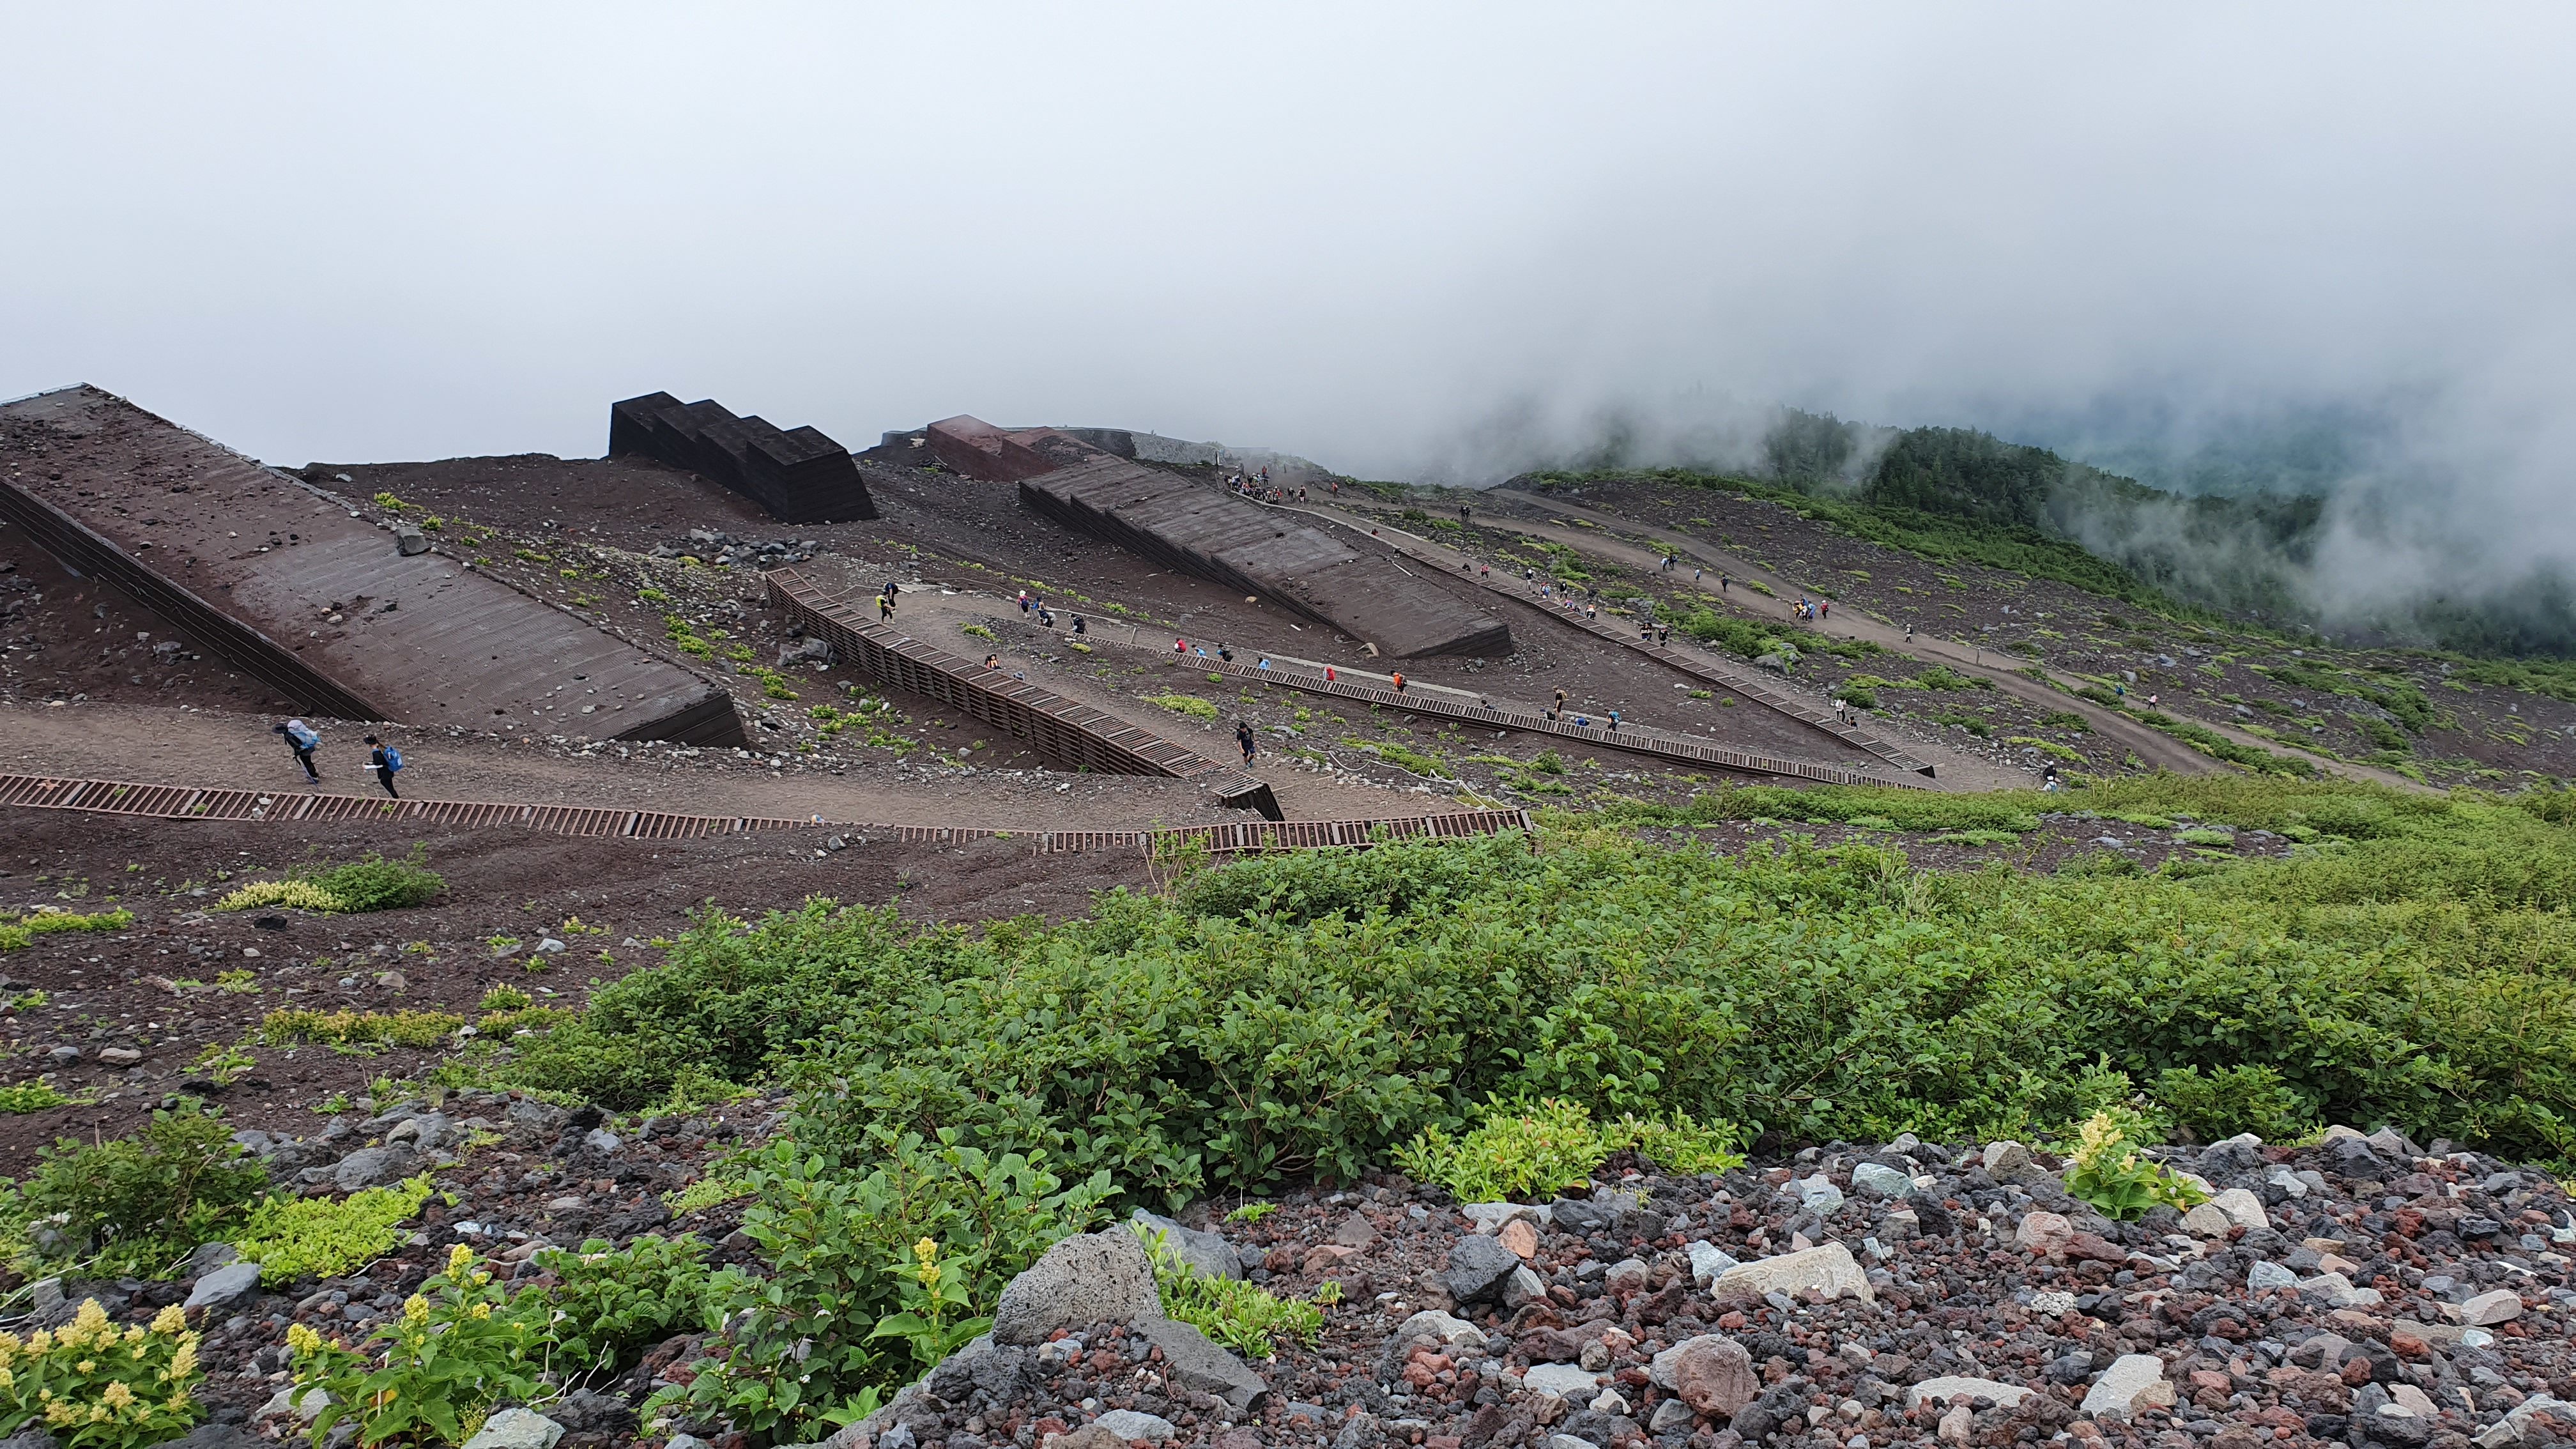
143 1200
709 1191
92 1386
1252 1212
420 1030
800 1341
2229 1100
35 1096
609 1301
1188 704
1518 1149
303 895
505 998
1242 1316
224 1064
937 1297
290 1237
2107 1171
431 1375
372 884
17 935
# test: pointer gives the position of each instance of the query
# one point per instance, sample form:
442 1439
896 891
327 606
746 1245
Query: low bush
1305 1014
1521 1150
610 1302
846 1236
291 1237
19 934
35 1096
372 884
420 1030
2230 1100
91 1385
142 1201
1188 704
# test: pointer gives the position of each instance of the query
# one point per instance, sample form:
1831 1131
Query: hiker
1181 648
1079 628
1264 665
1243 737
2048 778
1046 617
1614 721
1663 636
1398 680
1024 601
885 608
1826 606
1909 633
1462 513
1725 582
1697 574
384 761
1225 652
992 661
1329 675
1560 704
303 741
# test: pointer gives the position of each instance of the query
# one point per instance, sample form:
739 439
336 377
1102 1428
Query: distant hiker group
302 739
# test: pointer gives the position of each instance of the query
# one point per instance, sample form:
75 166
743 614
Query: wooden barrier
184 802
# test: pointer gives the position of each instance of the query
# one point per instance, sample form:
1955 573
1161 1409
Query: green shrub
840 1240
17 935
35 1096
378 884
1242 1316
1308 1013
1188 704
291 1237
92 1386
1522 1149
611 1302
420 1030
505 998
2230 1100
143 1200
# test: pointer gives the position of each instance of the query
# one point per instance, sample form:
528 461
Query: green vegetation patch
291 1237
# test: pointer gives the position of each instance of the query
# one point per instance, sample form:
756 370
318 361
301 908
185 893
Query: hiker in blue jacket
303 741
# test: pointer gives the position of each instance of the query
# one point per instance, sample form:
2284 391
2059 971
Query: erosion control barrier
1694 665
797 474
1657 746
1066 734
186 802
1196 528
343 616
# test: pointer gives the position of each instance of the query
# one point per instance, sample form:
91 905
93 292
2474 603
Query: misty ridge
2314 521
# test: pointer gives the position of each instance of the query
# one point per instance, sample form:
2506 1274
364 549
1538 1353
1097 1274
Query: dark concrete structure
799 475
294 588
1069 734
1366 593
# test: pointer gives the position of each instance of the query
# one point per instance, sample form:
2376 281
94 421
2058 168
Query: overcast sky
1362 233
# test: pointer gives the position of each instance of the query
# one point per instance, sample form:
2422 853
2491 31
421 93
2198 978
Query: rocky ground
2363 1290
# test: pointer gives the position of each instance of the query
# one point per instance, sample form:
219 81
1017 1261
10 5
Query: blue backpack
393 759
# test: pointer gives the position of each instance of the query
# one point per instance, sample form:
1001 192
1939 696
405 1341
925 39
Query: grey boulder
1478 1268
1194 1361
1085 1279
229 1286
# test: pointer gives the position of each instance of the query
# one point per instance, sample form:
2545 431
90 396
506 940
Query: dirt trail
2003 670
206 747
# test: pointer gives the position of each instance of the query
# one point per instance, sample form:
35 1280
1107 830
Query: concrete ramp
1367 594
288 585
797 474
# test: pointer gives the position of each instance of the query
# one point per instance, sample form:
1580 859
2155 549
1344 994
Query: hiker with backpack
386 761
303 741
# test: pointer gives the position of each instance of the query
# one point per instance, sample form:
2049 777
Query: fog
1406 241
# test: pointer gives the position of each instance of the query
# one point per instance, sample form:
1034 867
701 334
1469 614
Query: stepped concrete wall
290 586
798 475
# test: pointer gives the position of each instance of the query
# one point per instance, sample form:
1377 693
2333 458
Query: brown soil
153 986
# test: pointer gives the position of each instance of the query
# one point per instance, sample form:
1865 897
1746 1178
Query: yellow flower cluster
81 1353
